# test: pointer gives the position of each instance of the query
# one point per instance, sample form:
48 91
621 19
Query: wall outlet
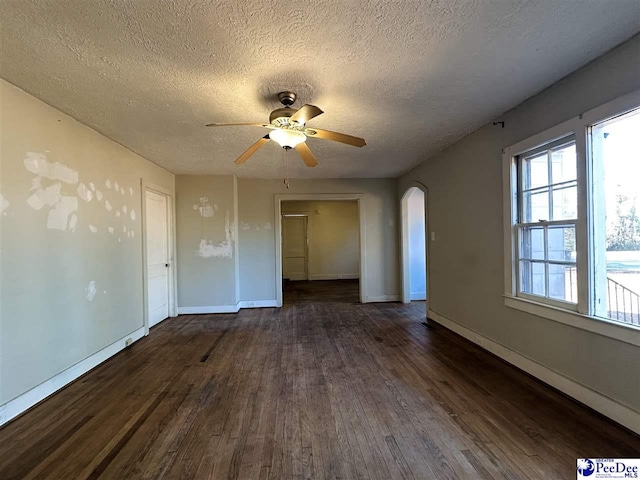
128 342
251 304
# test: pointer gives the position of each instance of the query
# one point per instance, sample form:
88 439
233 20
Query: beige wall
465 212
250 266
206 246
256 236
334 237
71 241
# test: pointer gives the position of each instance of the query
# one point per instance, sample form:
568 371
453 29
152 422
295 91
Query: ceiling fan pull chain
284 162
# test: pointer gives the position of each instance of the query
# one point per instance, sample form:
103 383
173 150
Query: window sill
607 328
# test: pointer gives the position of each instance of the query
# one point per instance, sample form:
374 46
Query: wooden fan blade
252 149
264 125
305 113
307 157
335 136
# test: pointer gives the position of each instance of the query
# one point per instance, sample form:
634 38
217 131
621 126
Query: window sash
550 187
547 298
518 233
550 223
540 260
552 145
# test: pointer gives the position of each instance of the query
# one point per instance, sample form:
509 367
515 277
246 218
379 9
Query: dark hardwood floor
322 388
321 291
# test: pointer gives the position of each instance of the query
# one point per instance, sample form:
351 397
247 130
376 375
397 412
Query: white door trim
171 214
279 198
404 234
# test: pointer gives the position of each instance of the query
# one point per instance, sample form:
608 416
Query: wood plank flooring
322 388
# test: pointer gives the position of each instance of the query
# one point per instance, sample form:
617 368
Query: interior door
157 257
294 248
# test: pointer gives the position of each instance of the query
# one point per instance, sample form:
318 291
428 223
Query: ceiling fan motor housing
280 116
287 98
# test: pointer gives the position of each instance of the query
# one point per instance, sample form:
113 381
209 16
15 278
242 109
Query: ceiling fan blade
264 125
335 136
307 157
252 149
305 113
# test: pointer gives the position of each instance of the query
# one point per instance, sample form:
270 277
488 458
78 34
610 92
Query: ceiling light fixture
287 138
288 129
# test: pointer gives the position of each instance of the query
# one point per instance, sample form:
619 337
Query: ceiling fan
289 130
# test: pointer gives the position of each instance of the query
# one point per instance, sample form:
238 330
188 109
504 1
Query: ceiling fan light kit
288 130
287 138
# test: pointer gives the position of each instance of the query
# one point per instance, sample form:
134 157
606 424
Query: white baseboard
383 298
258 303
607 406
227 308
418 296
208 309
15 407
333 276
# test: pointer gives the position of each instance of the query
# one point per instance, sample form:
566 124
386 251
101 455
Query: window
572 221
547 215
615 147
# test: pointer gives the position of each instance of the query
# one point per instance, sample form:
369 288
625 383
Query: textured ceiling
411 77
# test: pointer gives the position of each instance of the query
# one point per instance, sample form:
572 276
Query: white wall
417 252
206 245
465 211
334 237
70 241
256 237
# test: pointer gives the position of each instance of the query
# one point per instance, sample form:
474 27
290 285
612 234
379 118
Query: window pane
561 243
532 278
563 163
535 172
535 206
532 243
616 218
565 203
563 282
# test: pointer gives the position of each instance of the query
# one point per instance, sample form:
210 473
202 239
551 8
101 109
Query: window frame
522 224
580 315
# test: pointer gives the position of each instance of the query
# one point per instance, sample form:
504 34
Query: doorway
158 255
414 245
320 247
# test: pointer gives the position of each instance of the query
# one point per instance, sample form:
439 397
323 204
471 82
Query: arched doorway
415 277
